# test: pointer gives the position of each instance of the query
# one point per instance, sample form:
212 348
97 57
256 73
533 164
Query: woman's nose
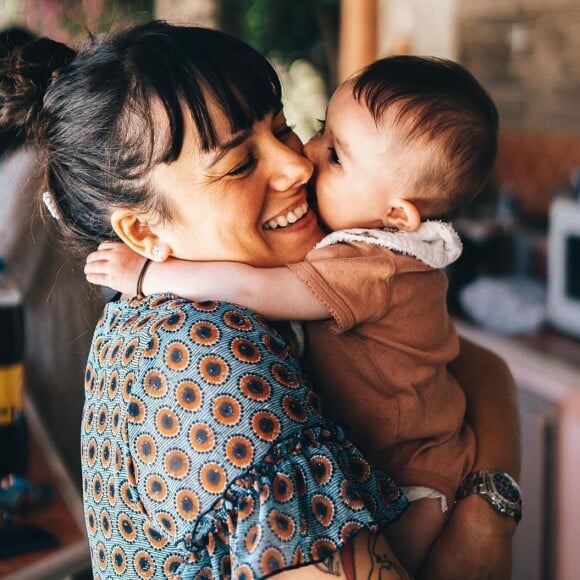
291 169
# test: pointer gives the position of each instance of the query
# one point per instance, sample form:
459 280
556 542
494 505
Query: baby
406 142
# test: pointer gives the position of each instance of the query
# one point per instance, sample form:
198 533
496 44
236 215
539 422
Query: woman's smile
287 218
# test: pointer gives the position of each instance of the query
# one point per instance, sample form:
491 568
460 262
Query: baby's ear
403 215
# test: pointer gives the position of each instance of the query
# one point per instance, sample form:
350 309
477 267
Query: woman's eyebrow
223 148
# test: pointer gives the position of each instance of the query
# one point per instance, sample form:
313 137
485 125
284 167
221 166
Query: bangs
187 67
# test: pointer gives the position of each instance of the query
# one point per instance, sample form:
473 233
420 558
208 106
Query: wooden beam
358 35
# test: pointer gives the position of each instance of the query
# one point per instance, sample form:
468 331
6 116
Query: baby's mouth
288 218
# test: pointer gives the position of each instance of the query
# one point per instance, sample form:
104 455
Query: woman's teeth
289 218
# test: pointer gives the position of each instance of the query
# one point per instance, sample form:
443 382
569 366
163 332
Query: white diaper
415 492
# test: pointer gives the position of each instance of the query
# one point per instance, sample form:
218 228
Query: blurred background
515 289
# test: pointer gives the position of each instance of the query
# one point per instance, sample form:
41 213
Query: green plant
289 29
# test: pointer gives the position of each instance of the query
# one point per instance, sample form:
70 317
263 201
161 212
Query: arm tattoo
330 565
382 565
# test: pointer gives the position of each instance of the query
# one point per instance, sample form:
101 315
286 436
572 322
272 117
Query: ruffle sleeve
225 464
308 497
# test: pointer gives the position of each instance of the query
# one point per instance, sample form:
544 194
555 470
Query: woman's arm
276 293
476 542
367 557
492 407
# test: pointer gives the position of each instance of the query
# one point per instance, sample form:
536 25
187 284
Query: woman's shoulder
165 341
147 314
170 312
161 321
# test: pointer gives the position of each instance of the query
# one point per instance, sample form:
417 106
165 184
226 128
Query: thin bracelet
140 294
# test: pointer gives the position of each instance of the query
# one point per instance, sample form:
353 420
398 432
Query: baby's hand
114 265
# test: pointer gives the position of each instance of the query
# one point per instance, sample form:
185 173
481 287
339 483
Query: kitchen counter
546 369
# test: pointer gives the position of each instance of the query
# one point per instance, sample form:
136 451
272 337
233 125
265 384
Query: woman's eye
243 169
332 156
320 131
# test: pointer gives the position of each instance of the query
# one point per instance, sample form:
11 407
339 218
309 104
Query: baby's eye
333 157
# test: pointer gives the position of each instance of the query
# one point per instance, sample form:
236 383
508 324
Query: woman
205 454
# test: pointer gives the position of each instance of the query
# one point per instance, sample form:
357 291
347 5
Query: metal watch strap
473 483
480 483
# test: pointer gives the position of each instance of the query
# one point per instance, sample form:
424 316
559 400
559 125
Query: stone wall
527 54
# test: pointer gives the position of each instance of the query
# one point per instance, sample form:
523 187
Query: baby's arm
276 293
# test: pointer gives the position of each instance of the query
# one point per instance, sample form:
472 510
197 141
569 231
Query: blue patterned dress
204 451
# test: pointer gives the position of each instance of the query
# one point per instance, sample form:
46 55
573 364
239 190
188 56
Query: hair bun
25 76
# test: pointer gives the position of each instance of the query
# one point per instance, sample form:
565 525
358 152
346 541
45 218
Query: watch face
506 488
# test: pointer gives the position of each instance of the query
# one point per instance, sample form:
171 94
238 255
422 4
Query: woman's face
244 201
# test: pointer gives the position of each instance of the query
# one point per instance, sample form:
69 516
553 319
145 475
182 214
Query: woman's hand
114 265
476 543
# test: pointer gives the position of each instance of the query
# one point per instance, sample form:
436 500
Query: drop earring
158 253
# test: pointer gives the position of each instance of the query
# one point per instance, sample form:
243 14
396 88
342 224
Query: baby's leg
413 534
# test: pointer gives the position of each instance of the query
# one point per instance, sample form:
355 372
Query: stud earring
158 253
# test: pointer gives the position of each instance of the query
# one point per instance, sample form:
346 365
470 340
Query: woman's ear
135 232
403 215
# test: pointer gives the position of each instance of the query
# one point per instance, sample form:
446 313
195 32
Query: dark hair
95 123
440 103
14 37
10 39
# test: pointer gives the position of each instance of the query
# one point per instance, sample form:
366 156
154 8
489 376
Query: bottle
13 429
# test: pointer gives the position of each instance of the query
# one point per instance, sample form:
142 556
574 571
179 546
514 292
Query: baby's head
408 138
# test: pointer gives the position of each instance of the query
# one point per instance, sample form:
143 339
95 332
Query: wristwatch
498 488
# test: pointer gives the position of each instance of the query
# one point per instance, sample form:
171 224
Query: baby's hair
96 116
437 103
